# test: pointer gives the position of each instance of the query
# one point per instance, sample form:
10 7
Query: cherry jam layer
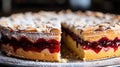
52 45
96 46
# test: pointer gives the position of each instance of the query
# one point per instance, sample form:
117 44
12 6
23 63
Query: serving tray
12 61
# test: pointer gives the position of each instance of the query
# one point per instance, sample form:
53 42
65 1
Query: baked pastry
34 36
92 35
37 36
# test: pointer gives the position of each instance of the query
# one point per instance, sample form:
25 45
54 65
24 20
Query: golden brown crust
93 25
44 55
42 22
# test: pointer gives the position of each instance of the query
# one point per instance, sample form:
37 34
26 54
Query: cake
34 36
92 35
37 36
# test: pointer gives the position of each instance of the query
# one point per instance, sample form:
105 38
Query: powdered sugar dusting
44 21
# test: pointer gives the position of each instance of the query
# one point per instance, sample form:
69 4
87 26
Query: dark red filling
104 42
52 44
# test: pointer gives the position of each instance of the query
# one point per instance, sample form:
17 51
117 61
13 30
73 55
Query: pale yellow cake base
44 55
88 54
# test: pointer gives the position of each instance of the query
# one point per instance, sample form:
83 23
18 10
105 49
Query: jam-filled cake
92 35
37 36
34 36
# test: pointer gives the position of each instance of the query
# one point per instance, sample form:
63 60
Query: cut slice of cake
92 35
37 36
34 36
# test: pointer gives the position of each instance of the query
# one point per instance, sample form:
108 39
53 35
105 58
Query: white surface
19 62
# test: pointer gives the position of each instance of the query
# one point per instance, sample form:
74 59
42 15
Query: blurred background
8 7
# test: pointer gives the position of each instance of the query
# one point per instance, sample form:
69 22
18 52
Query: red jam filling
52 44
96 46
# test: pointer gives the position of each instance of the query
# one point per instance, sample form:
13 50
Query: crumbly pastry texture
91 35
34 36
32 22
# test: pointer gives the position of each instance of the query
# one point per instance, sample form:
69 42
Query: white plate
20 62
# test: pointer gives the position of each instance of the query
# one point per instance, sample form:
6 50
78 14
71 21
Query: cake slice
34 36
92 35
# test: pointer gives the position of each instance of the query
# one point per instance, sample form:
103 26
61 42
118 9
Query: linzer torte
33 36
37 36
92 35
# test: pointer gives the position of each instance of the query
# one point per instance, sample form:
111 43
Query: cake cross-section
92 35
37 36
34 36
